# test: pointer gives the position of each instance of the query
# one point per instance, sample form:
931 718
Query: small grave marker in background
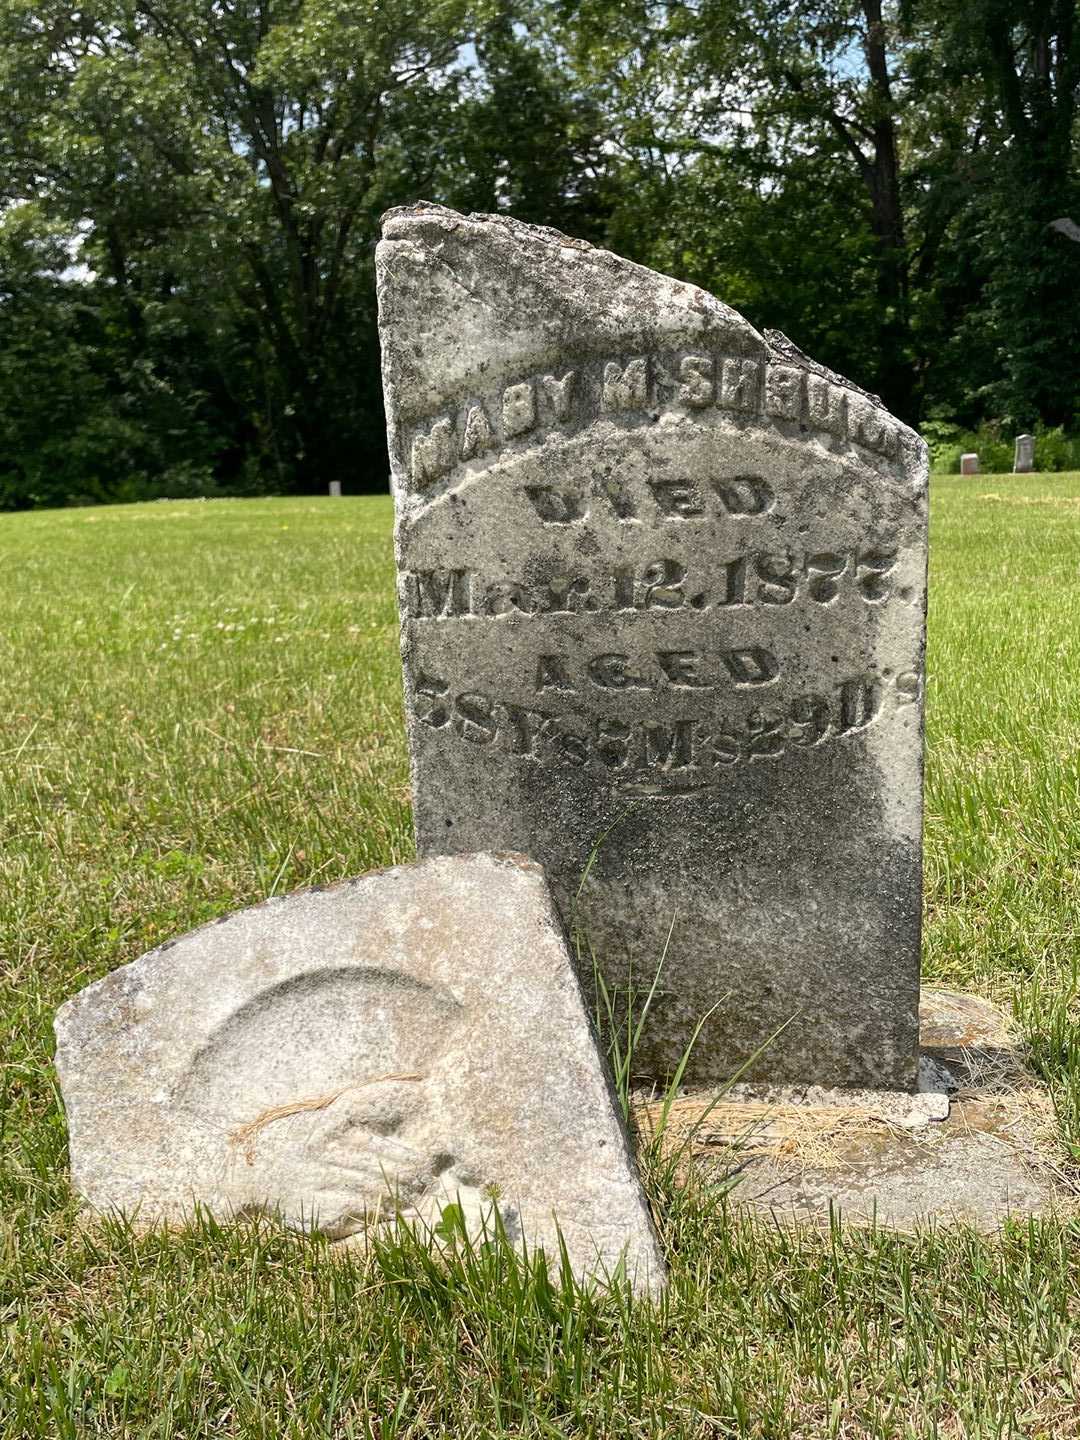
969 464
1024 455
335 489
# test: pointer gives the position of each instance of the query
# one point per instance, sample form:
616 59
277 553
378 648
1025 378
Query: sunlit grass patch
199 706
1003 730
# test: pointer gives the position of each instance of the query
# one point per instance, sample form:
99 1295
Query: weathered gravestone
662 580
969 463
1024 455
390 1045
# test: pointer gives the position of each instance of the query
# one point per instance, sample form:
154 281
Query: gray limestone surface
386 1046
1024 455
662 586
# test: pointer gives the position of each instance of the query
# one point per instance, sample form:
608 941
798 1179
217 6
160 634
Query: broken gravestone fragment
662 581
390 1045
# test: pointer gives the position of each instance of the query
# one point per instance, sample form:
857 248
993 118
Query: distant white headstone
1024 455
969 464
335 489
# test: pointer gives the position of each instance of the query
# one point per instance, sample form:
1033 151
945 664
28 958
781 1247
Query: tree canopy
190 193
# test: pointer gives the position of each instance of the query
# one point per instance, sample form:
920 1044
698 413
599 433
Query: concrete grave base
984 1154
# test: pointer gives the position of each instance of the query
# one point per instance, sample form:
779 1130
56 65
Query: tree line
190 193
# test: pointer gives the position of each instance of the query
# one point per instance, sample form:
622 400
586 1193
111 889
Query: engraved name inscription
638 389
759 578
676 755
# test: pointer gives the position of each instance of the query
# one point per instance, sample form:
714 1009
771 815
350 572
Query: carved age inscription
732 710
680 755
642 387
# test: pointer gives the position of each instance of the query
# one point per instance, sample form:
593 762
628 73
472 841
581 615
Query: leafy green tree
922 149
993 186
532 143
229 163
190 191
768 90
81 416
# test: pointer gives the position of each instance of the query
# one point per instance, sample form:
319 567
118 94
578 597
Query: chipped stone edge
418 224
400 223
513 858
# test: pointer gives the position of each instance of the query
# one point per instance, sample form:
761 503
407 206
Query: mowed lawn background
200 706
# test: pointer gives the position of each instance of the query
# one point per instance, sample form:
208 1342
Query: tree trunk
882 178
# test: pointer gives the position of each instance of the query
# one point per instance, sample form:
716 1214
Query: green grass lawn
199 706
